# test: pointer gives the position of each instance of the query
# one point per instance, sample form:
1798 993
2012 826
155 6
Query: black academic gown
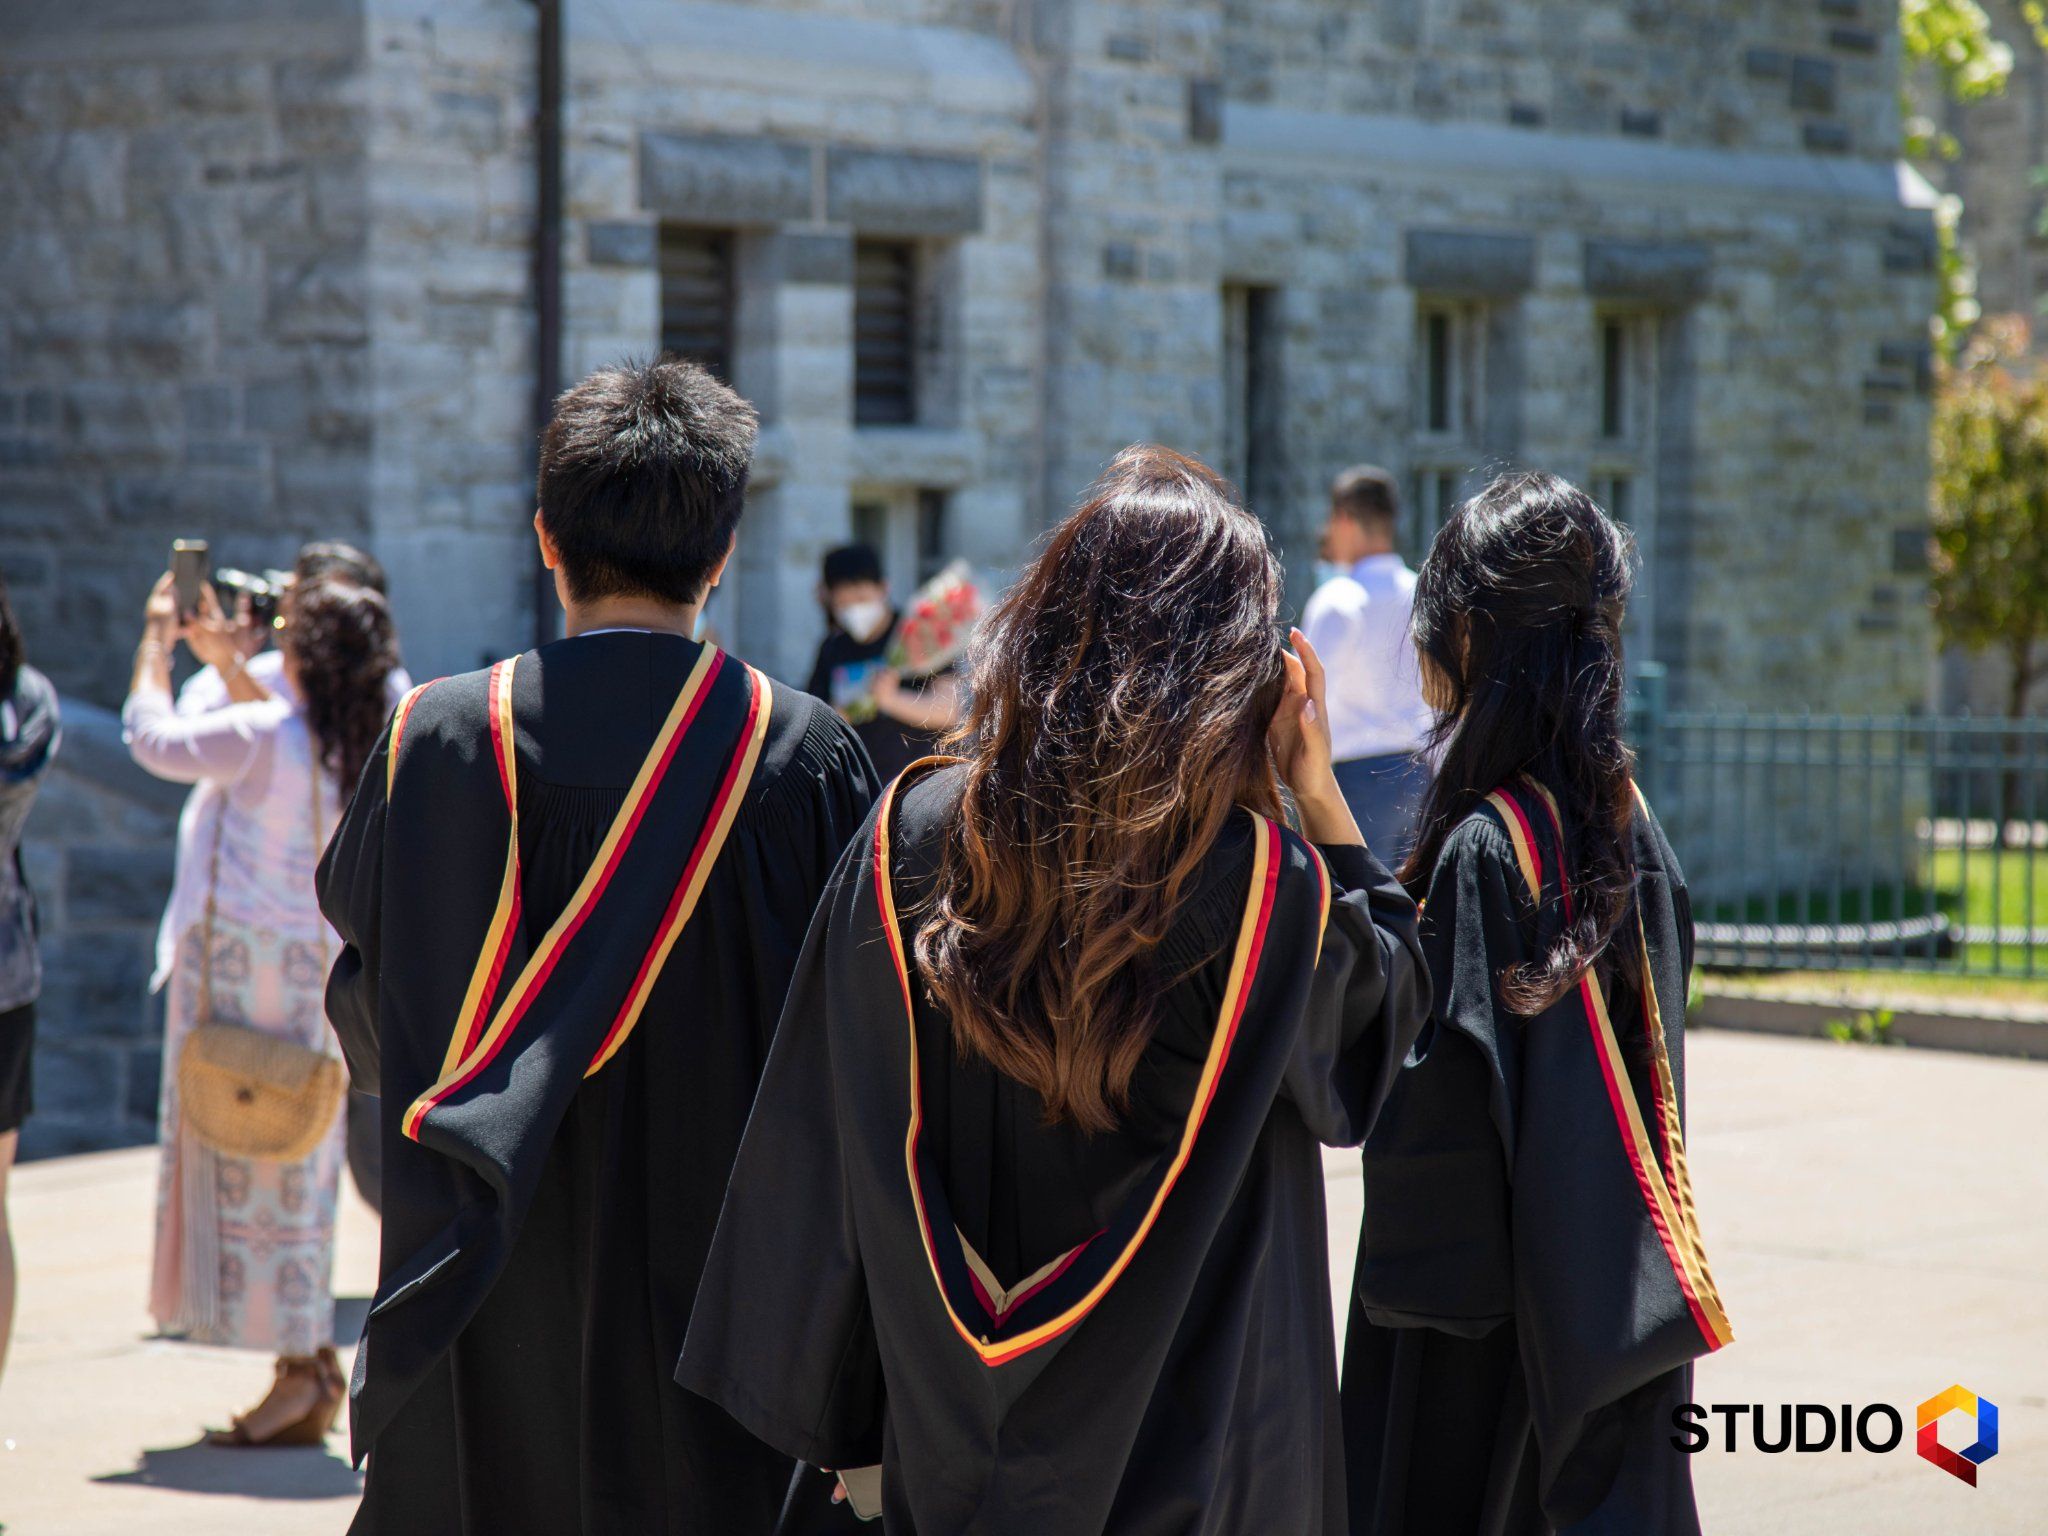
1531 1288
566 1047
1029 1329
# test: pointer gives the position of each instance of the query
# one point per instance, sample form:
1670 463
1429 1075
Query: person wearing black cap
897 721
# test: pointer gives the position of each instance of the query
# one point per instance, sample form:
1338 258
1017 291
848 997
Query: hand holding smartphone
863 1487
189 566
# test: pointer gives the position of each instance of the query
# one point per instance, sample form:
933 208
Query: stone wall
101 841
183 323
912 121
450 197
1557 165
1781 75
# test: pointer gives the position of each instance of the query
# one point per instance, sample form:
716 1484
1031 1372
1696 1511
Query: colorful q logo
1962 1463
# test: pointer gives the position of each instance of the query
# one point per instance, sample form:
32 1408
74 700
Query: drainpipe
547 266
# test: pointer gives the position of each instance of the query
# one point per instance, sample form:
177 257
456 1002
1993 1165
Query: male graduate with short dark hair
572 888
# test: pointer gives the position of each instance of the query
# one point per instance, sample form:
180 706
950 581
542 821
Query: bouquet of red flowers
937 623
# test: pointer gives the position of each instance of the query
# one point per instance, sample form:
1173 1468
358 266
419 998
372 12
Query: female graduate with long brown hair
1030 1208
1531 1287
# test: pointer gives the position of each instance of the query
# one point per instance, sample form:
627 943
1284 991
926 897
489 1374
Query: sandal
312 1427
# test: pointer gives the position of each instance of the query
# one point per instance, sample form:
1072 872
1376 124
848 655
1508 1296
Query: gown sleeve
800 1370
1369 995
1435 1244
350 884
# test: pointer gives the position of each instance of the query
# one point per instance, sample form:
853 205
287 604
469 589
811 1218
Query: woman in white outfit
245 1248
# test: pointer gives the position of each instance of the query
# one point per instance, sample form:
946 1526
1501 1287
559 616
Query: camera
263 592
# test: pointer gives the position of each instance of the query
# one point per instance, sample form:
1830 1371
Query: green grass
1986 888
1992 888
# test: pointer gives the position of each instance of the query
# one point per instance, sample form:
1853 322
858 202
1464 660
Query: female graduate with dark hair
1030 1208
1531 1287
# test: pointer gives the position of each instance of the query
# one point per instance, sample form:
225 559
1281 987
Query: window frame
877 403
723 245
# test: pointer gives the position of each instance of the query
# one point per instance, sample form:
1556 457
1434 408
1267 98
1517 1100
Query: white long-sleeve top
230 753
1358 623
274 808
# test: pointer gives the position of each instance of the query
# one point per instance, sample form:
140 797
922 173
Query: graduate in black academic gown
1030 1211
572 888
1531 1286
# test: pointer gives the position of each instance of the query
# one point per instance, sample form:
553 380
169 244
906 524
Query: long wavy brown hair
1122 691
341 637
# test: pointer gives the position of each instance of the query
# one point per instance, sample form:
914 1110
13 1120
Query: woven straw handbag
249 1094
246 1093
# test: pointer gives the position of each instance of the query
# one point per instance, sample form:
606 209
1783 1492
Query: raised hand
1300 738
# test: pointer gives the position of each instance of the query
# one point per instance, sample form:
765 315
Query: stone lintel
810 256
717 178
1669 273
896 192
1470 264
622 243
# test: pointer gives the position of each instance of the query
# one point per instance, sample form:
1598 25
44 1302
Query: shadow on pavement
286 1473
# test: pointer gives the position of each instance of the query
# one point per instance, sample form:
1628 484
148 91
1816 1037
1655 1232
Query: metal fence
1832 842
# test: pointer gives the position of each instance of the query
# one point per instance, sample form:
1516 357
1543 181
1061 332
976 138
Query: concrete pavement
1877 1218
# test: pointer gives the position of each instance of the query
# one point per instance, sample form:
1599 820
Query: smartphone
863 1491
188 573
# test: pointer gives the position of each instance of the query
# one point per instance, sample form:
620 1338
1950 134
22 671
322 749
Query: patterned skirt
245 1249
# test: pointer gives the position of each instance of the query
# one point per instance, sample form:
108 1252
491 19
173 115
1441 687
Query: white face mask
1328 571
863 620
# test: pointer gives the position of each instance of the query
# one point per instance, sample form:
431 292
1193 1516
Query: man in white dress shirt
1358 622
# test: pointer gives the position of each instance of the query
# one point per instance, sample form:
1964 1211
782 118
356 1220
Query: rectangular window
1449 430
931 534
871 526
1434 498
697 296
1614 379
907 527
884 333
1450 368
1613 492
1237 404
1252 426
1624 472
1439 365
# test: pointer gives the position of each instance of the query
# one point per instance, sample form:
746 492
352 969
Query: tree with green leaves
1990 575
1949 51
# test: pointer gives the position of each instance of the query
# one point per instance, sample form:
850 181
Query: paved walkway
1878 1221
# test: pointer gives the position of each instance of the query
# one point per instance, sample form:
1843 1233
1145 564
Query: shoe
323 1370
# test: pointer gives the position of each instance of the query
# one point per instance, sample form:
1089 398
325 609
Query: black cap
852 562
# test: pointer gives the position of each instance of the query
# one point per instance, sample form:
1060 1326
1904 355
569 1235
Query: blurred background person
1358 622
898 721
244 1248
241 665
254 663
28 740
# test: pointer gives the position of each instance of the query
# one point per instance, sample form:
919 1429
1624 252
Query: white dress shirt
1358 623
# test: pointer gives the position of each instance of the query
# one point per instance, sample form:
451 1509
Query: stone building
268 272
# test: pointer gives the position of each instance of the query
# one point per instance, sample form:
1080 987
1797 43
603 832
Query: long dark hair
1122 691
11 652
340 635
1518 614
